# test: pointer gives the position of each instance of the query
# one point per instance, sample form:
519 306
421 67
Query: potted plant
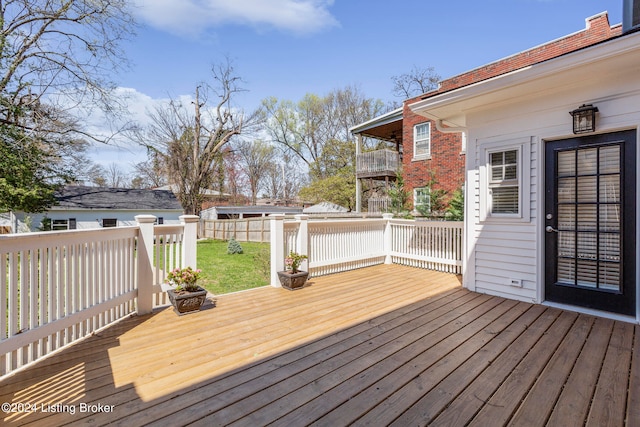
185 295
292 278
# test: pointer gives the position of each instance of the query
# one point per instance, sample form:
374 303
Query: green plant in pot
292 278
185 296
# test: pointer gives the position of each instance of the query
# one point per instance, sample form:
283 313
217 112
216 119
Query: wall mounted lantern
584 118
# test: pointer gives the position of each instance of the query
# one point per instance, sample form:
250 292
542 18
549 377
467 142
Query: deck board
385 345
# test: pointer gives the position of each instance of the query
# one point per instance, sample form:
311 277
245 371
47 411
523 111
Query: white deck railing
335 246
59 287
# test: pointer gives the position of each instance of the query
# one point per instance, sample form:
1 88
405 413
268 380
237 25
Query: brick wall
597 30
446 163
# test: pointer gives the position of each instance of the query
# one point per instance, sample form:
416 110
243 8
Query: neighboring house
210 197
80 207
239 212
551 200
325 208
430 158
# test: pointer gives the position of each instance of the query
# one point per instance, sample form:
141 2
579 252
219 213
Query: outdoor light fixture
584 118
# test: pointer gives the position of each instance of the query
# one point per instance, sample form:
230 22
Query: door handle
550 229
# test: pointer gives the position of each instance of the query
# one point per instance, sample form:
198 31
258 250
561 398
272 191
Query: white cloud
191 17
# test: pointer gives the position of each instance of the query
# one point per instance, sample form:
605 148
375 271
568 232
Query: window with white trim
109 222
422 140
504 183
59 224
505 169
422 199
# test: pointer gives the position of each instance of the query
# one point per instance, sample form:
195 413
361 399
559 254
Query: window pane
587 217
610 188
610 276
510 172
587 272
496 159
609 218
566 244
566 217
610 159
496 173
587 161
109 222
587 189
566 189
566 163
566 271
422 131
422 147
610 247
59 224
421 198
588 246
422 137
510 157
504 200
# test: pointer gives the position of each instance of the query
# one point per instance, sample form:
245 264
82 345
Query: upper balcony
379 164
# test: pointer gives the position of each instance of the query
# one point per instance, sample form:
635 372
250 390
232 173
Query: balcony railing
379 163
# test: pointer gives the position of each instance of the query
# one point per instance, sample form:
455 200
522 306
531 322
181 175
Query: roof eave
390 117
452 106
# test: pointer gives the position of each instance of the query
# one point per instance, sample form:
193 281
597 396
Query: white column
302 239
358 182
189 242
276 232
387 237
144 259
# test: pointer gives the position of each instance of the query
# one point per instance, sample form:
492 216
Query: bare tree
256 157
416 82
235 179
116 177
56 61
151 173
59 51
188 137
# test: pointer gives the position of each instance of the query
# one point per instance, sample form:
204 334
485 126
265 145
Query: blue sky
287 48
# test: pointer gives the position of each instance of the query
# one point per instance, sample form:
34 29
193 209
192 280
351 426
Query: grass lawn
223 273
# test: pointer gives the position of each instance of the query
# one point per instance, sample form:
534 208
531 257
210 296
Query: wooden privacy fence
335 246
243 230
59 287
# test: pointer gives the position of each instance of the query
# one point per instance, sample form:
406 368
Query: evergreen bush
234 247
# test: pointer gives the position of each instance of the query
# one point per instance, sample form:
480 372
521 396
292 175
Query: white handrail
59 287
339 245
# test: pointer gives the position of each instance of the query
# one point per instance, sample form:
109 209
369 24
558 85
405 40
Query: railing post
302 239
358 182
388 241
277 247
190 238
145 263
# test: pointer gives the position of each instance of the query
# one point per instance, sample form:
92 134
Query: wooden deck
386 345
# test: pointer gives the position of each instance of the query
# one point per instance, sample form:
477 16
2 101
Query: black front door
590 220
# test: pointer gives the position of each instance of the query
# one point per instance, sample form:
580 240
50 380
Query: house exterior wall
445 165
500 250
86 219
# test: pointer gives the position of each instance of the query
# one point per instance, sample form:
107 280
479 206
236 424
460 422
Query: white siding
88 219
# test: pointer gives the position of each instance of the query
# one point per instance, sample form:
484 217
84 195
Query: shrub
262 261
234 247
